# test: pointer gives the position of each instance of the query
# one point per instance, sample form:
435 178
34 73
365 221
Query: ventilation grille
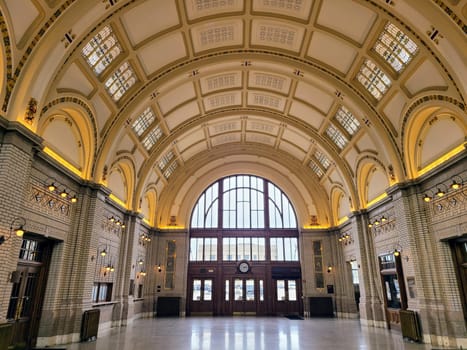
90 325
409 325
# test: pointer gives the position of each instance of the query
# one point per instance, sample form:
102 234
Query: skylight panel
395 47
170 169
143 121
315 167
153 136
373 79
121 81
347 120
321 157
101 50
165 159
336 136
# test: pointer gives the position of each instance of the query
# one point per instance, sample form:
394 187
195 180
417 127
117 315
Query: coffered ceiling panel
194 149
266 100
224 99
177 96
200 8
225 126
425 77
307 114
260 138
299 9
182 114
292 149
221 81
316 97
277 34
278 83
26 12
162 51
332 51
189 138
149 18
348 18
226 138
293 135
217 34
75 79
262 126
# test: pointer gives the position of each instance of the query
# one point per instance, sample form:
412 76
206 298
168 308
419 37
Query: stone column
16 154
371 299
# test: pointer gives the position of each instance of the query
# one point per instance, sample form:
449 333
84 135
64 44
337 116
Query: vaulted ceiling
156 99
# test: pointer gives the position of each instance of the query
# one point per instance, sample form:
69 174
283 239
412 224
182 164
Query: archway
244 253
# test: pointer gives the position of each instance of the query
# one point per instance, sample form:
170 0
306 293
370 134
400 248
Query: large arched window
243 202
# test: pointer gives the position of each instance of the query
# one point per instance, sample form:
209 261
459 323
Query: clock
243 267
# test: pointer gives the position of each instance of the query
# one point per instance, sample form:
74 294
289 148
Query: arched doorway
244 254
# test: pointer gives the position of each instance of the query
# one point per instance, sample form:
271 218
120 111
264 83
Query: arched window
243 202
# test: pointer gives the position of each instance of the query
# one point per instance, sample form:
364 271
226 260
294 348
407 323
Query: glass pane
280 290
261 249
273 247
292 290
196 290
261 290
250 290
207 290
240 248
238 289
227 290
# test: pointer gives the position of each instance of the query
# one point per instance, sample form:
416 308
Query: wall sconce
159 267
455 183
144 239
116 221
378 221
60 190
140 261
329 268
398 252
17 226
345 238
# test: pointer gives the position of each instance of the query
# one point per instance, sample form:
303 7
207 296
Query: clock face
243 267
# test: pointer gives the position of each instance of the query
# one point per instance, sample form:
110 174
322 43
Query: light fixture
397 252
329 268
159 267
383 219
370 225
143 273
376 222
108 268
17 226
426 198
55 187
440 193
19 229
455 185
103 252
111 219
140 261
112 268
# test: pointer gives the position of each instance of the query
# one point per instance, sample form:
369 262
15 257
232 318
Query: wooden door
460 256
287 297
245 296
27 293
202 296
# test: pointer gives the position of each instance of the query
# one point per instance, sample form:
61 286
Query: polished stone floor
248 333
